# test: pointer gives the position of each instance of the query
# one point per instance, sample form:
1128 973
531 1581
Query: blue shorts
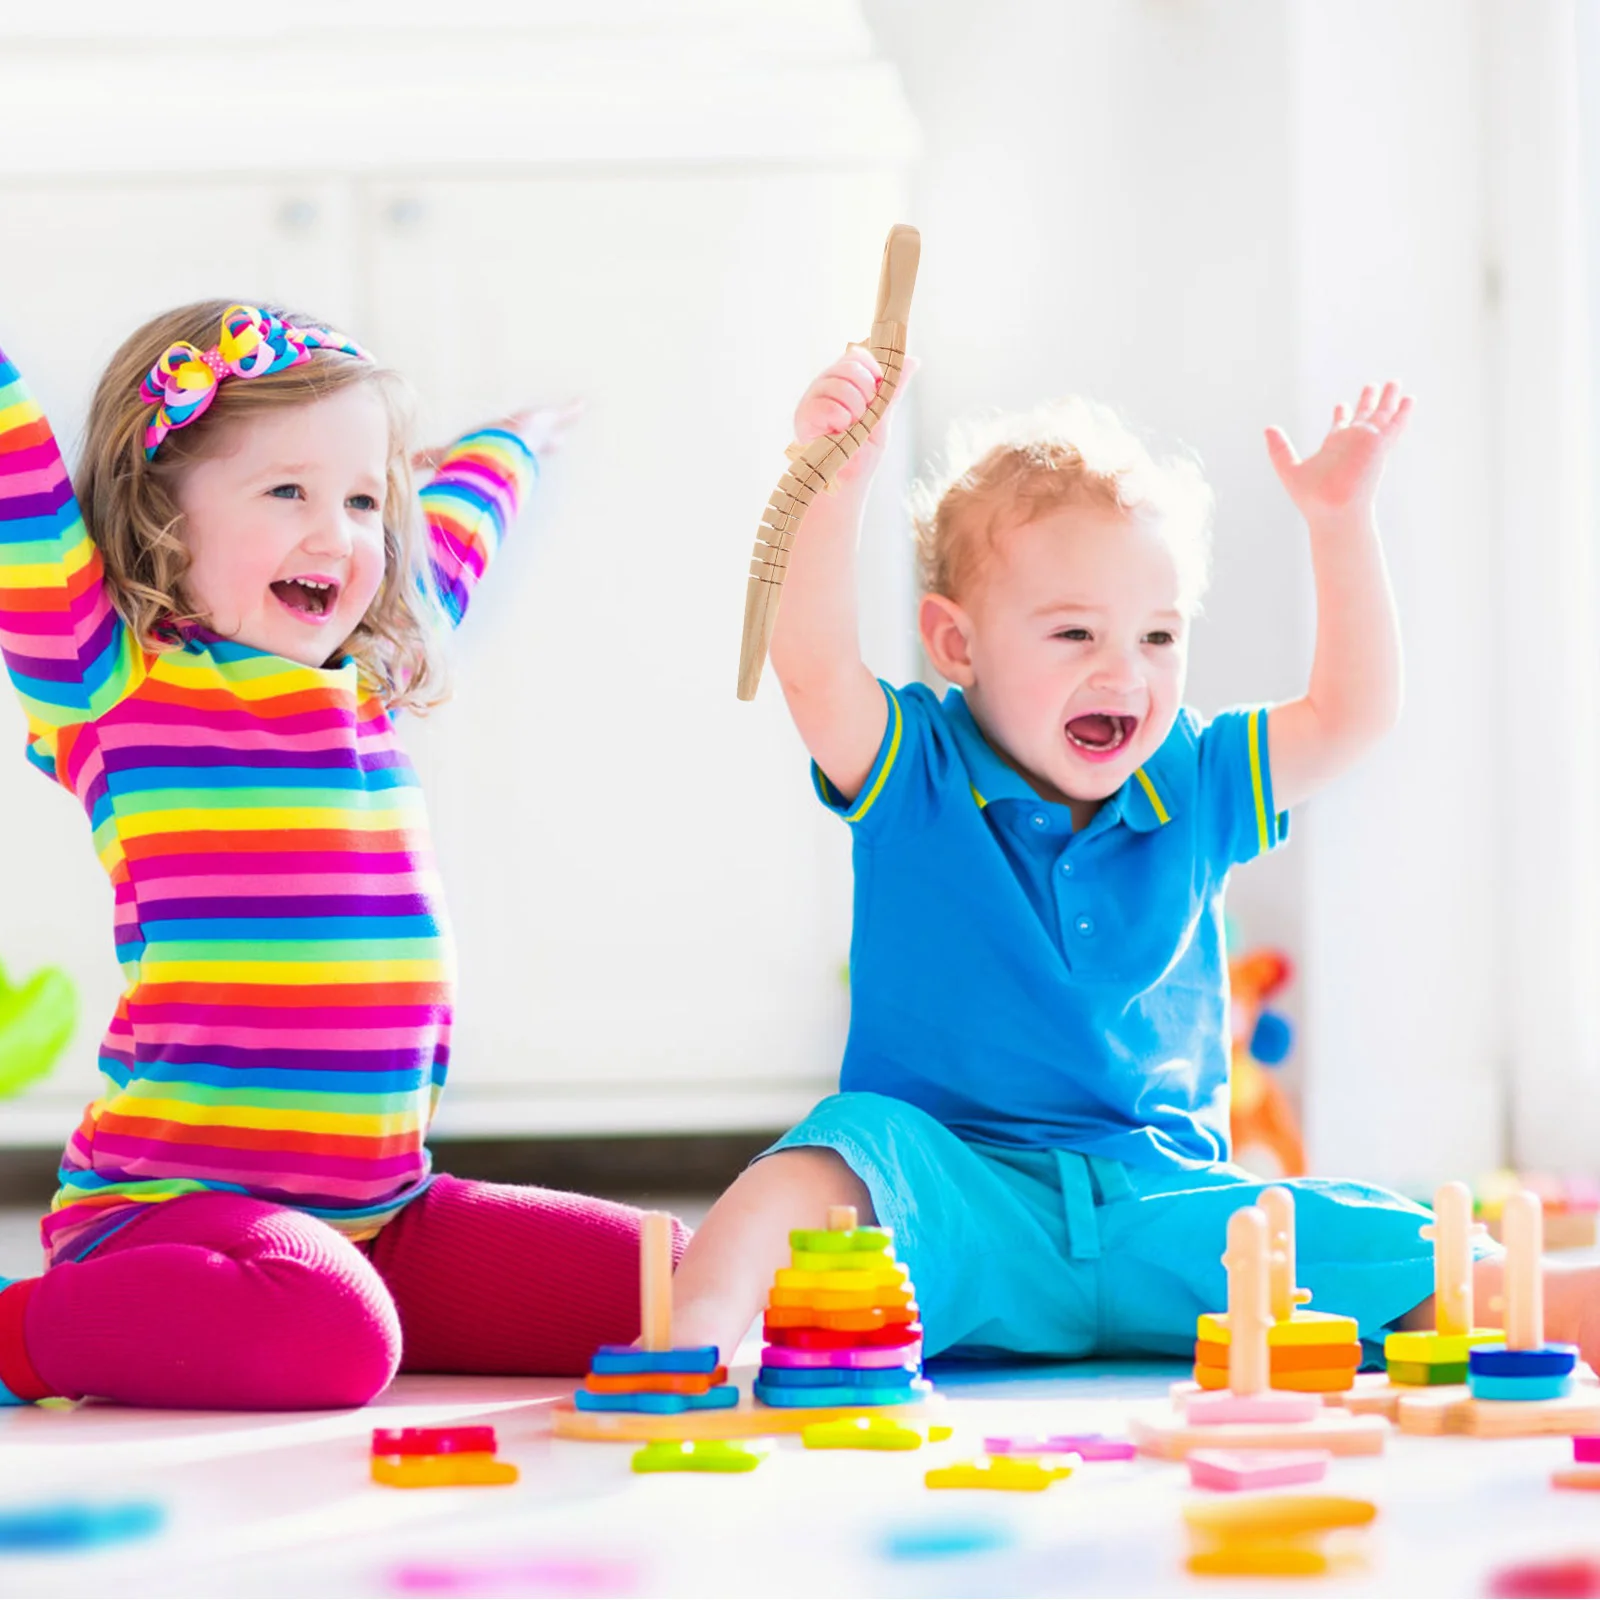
1052 1253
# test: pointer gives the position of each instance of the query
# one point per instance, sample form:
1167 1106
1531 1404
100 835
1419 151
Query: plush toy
1266 1133
36 1020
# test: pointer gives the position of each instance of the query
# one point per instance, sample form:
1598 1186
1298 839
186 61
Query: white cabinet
653 912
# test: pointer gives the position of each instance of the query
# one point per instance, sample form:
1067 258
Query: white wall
675 210
1219 216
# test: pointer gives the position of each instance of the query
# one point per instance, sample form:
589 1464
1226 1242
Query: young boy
1035 1088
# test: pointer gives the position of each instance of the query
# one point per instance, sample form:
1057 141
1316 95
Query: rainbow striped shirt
285 1027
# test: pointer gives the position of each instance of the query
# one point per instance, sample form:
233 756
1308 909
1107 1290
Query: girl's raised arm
68 652
478 485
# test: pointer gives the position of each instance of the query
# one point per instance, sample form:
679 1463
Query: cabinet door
652 908
81 266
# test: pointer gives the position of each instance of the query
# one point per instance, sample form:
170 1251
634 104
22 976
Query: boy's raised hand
835 402
1342 477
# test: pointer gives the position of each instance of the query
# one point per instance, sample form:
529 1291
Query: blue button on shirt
1034 986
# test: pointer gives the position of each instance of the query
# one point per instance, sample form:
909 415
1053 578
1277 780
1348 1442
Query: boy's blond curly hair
1004 471
131 511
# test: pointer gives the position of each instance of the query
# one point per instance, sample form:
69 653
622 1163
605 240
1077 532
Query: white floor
282 1504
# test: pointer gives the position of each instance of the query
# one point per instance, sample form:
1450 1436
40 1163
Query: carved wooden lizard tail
815 465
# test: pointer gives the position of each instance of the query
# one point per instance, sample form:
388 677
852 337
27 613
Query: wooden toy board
1450 1408
1168 1434
745 1421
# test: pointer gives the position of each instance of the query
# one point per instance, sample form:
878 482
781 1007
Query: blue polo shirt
1033 986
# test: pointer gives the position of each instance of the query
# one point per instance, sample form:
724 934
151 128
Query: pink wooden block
1087 1446
780 1355
1218 1406
1586 1447
1256 1469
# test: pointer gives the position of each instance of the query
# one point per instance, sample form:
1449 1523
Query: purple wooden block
906 1355
1586 1447
1087 1446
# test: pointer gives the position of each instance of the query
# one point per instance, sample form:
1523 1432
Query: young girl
209 642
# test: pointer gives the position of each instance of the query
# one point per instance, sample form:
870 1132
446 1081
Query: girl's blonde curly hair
131 511
1005 471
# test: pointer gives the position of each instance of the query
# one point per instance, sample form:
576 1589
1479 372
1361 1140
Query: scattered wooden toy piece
1584 1476
1256 1469
701 1455
1272 1535
935 1541
563 1575
437 1458
872 1433
460 1469
1028 1474
433 1441
1086 1446
1566 1578
1586 1447
78 1525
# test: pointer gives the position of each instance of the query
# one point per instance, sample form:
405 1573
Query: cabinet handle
405 213
298 215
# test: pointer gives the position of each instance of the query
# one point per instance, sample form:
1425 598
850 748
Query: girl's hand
836 401
1342 477
542 428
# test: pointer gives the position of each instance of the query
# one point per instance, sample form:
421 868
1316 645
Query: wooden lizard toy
815 465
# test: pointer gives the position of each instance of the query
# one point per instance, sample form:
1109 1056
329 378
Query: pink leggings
218 1302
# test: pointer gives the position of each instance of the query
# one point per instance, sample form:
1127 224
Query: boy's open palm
1343 474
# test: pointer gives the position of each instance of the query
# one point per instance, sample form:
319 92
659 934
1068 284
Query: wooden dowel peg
655 1280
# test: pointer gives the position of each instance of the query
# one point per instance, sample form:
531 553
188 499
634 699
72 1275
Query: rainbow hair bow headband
251 344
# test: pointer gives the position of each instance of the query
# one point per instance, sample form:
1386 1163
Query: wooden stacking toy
437 1458
1248 1414
841 1325
1519 1385
815 465
1523 1366
656 1392
1309 1352
652 1376
1423 1358
1417 1358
